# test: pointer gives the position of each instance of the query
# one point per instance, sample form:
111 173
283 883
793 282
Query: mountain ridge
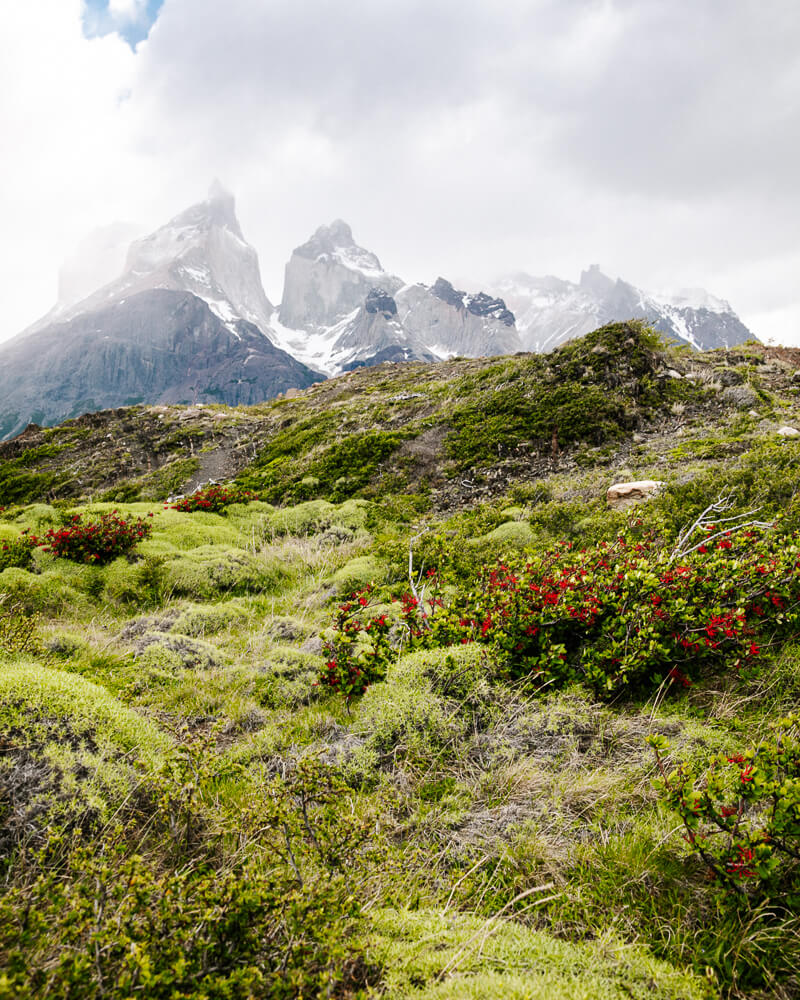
340 310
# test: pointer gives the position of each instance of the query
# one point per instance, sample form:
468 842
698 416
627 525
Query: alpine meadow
399 500
404 705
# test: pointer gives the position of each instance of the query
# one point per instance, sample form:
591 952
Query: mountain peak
338 232
218 192
219 209
593 280
332 239
328 277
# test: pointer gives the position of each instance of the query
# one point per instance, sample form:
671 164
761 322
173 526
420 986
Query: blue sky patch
130 19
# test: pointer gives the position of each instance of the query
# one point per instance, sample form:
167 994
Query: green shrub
17 552
199 620
407 718
475 959
357 573
211 570
18 631
507 537
171 651
46 592
119 922
515 417
73 752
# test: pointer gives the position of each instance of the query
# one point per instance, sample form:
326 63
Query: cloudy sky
658 138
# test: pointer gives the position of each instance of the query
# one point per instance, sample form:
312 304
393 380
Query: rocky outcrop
621 496
380 301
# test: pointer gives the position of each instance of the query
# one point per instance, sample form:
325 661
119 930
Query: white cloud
457 136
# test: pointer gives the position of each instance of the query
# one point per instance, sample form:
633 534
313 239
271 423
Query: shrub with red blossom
741 813
96 541
621 614
214 499
358 650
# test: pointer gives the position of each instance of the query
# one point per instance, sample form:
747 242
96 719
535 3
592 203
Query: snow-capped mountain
186 321
201 251
549 311
340 309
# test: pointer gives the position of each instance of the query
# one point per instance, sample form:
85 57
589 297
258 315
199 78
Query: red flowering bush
357 651
18 552
741 817
214 499
96 541
620 614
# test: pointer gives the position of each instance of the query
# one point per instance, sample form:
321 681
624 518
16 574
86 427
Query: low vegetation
406 710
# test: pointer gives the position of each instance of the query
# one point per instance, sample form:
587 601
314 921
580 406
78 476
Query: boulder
620 496
788 432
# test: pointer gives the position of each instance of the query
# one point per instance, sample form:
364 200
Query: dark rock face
380 301
158 346
479 305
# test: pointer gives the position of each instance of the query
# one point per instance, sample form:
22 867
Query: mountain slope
456 431
156 346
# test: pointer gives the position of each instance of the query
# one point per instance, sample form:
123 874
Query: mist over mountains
187 319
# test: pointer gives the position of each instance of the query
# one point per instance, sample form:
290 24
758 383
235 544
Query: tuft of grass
434 955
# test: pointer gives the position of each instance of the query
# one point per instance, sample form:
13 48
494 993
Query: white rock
620 496
788 432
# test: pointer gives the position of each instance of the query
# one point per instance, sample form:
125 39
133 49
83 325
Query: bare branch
708 520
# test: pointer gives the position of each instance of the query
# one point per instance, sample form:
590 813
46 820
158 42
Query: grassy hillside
237 761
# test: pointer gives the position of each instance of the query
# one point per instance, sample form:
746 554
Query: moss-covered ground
156 711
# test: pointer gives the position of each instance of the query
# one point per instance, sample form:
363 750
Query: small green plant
96 541
18 552
18 630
